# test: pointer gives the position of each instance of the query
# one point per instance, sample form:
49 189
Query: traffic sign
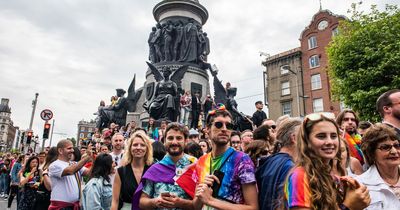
46 114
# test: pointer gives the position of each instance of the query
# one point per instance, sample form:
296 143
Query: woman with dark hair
310 184
193 149
256 150
30 180
159 151
44 189
205 145
97 193
76 155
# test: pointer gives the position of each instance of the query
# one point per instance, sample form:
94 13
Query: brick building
308 64
313 41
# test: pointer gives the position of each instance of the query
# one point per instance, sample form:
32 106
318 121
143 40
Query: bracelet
343 207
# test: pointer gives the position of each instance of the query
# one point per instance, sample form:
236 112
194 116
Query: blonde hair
148 157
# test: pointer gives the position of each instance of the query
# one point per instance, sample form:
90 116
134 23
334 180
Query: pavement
3 204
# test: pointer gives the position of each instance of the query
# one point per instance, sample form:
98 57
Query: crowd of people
321 161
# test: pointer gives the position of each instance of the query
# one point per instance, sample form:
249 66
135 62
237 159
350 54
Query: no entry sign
46 114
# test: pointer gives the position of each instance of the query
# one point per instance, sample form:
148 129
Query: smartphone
220 175
165 194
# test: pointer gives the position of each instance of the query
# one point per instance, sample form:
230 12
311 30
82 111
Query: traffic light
29 137
22 137
46 130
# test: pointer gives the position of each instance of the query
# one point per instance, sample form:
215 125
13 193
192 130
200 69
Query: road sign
46 114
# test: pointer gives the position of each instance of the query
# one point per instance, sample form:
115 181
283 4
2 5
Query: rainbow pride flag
354 143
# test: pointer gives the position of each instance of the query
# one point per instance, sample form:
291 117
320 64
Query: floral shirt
155 189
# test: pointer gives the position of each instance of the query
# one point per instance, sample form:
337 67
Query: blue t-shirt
270 177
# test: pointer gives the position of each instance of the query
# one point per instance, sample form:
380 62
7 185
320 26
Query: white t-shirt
64 188
117 158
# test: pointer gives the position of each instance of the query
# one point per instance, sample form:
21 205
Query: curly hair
376 134
322 186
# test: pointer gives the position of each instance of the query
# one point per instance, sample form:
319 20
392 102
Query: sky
75 53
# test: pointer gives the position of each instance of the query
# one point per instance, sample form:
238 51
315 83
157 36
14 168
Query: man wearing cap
193 135
259 115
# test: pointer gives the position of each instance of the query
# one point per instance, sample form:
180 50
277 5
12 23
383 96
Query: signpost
46 115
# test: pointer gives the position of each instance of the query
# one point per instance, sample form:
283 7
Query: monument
177 39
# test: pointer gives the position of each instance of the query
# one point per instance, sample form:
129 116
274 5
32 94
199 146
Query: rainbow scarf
354 143
165 171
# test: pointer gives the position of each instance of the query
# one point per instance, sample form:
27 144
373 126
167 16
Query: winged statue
226 96
165 103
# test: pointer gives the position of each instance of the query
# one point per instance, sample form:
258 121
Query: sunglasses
319 115
219 125
388 147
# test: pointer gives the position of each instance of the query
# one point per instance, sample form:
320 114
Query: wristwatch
343 207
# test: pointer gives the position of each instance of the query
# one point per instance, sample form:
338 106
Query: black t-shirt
128 182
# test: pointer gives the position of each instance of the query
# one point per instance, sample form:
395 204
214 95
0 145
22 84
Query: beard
219 142
172 152
396 114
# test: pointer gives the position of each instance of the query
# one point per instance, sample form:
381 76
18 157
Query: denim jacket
97 194
14 173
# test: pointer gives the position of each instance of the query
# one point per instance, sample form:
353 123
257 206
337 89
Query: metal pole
51 135
33 110
297 95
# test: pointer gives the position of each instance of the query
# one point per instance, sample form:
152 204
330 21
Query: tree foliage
364 59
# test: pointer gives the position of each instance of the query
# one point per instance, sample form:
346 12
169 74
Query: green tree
73 141
364 59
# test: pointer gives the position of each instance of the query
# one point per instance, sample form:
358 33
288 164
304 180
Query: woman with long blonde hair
310 185
137 158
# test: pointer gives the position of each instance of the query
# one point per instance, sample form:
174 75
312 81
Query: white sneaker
2 195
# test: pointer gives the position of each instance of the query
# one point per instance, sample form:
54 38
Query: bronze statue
165 103
226 96
117 113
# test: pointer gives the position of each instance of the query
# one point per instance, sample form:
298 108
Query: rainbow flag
297 190
354 143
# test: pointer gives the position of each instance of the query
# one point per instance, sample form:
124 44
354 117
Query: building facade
7 129
313 40
283 84
296 81
85 130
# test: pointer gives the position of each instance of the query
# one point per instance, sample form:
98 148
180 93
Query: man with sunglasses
348 123
388 106
225 177
117 148
259 115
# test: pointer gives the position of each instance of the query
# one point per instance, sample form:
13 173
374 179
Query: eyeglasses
219 125
393 104
388 147
319 115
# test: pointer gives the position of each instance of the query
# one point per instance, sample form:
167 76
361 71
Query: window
318 105
82 128
285 88
312 42
316 82
287 108
81 135
90 129
314 61
335 31
285 69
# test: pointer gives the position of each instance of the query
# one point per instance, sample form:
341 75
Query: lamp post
297 90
